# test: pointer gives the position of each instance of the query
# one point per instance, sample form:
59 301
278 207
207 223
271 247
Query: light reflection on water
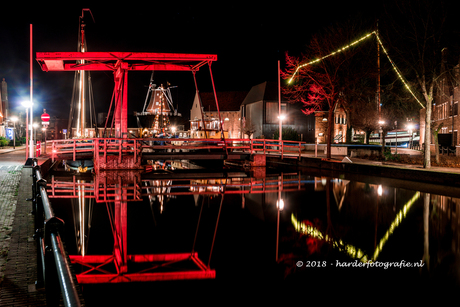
327 223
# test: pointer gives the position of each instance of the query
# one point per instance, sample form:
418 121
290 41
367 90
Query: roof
228 101
266 91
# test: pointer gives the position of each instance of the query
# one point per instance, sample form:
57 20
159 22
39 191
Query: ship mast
81 100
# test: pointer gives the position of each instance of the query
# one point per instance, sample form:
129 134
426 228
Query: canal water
337 236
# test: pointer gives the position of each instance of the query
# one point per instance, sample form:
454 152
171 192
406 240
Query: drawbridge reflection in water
120 190
159 223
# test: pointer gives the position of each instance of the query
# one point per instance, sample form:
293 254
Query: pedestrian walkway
7 149
9 190
19 261
411 152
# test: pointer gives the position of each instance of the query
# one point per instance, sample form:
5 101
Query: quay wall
412 173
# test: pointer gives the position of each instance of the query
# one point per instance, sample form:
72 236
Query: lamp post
44 132
410 127
382 137
35 125
396 135
280 207
14 119
29 146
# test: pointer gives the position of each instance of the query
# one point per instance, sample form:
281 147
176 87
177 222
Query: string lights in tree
395 68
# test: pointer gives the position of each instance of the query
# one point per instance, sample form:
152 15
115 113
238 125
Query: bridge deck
104 149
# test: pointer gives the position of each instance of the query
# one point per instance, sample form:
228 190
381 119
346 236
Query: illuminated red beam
101 61
144 277
112 67
124 56
94 261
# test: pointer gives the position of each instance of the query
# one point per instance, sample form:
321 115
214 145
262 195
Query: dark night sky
248 39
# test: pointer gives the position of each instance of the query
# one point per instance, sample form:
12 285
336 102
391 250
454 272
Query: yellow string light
395 68
350 249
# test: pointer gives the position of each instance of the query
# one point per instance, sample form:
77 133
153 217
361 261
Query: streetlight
281 117
280 207
35 125
410 127
29 146
382 137
14 119
396 135
44 131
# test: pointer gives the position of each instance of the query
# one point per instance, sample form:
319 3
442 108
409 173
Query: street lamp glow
282 117
280 204
27 104
379 190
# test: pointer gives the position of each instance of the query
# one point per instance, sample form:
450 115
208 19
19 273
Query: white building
229 107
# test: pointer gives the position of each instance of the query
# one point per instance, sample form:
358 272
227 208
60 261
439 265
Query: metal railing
134 191
53 265
101 147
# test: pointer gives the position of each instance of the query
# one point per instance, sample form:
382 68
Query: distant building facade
445 112
4 108
229 108
260 110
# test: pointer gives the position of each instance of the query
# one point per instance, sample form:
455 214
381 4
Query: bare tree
416 31
322 86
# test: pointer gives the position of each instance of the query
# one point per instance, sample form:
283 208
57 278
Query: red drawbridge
121 63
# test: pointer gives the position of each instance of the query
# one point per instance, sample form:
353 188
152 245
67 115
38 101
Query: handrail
50 247
120 146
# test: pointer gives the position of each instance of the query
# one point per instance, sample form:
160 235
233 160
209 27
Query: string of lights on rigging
395 68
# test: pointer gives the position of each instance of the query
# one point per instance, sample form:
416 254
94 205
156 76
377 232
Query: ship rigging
82 117
158 110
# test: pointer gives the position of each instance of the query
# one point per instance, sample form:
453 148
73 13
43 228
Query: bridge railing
117 146
103 191
290 149
71 146
101 147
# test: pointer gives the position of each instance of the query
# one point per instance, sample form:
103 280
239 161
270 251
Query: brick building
445 111
229 107
339 133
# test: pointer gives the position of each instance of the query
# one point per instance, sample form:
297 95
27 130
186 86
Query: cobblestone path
9 182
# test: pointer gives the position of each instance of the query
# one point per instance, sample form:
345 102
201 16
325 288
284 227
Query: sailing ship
82 109
82 118
158 115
